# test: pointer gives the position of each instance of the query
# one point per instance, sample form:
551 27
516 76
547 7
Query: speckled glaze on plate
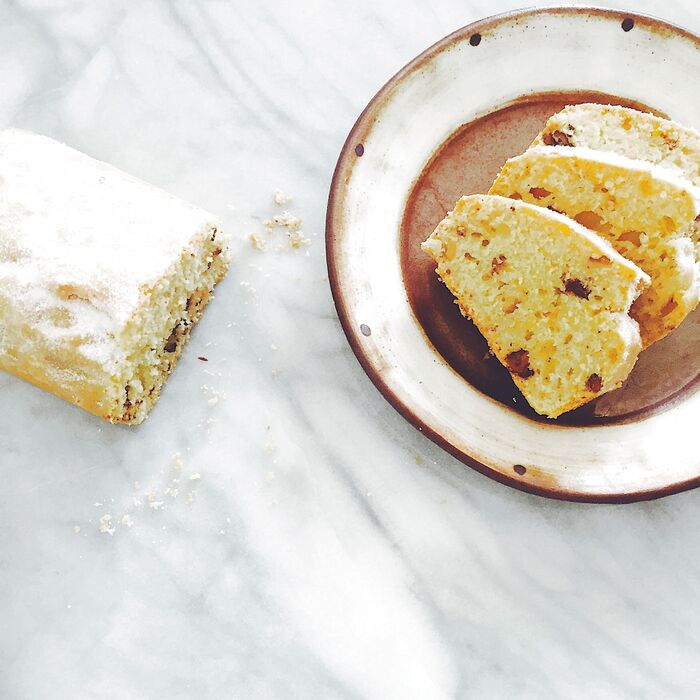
441 128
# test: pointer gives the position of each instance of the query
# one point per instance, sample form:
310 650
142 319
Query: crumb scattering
290 223
214 395
127 520
105 525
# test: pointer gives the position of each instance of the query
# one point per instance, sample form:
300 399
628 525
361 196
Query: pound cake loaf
643 210
550 297
102 276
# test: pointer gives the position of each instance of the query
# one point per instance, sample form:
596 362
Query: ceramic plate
441 128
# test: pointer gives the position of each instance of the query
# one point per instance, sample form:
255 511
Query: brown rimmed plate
441 128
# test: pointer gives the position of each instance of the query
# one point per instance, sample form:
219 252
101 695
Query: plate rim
353 335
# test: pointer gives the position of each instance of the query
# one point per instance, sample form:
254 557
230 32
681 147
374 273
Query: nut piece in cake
550 297
645 211
102 276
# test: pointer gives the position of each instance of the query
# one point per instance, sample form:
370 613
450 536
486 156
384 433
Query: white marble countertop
315 545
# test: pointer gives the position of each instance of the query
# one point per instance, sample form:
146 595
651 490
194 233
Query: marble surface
307 543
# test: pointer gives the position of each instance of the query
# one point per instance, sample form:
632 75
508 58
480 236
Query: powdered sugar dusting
81 240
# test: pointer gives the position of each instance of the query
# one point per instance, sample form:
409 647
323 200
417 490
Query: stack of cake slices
584 252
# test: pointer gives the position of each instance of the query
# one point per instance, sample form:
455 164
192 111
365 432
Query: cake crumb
280 198
288 221
105 526
127 520
189 500
76 529
153 502
214 395
195 477
257 242
297 239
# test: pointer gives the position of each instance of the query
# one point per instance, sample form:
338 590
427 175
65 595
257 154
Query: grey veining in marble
327 549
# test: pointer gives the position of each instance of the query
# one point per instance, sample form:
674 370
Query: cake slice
550 297
643 210
102 276
630 133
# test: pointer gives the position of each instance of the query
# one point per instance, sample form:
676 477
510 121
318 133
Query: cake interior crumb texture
102 276
630 133
644 210
550 297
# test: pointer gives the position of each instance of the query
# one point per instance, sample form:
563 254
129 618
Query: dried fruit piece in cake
645 211
550 297
102 276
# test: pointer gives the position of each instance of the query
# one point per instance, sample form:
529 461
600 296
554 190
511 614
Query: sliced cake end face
628 132
153 340
550 297
643 210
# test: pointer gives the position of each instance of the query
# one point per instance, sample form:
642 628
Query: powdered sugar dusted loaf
102 276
